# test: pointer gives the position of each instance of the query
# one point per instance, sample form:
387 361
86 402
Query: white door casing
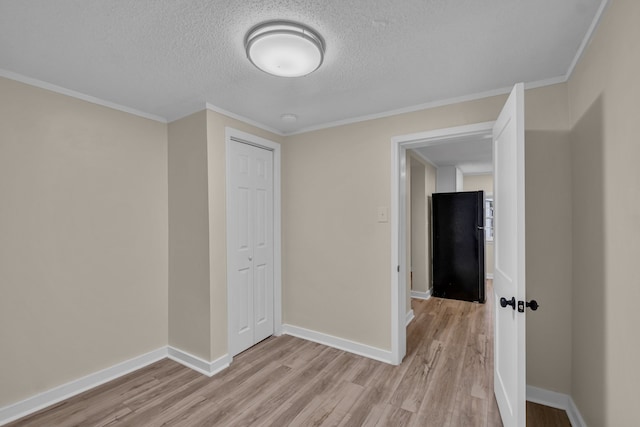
399 263
509 259
250 244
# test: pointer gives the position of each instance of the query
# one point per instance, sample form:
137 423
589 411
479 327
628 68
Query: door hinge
398 269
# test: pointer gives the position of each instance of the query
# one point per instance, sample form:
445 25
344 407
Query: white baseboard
339 343
197 364
575 417
70 389
556 400
410 317
547 397
421 295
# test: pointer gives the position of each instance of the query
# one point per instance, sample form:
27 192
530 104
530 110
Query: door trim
236 135
399 146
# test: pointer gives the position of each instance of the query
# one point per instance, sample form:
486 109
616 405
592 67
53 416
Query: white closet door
250 229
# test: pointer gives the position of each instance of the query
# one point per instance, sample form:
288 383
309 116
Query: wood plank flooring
445 380
540 415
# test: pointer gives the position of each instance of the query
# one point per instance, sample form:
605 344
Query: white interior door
250 240
509 271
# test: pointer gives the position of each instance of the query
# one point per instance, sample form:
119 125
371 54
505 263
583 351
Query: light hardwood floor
445 380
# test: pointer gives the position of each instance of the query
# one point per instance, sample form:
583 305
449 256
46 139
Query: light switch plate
383 214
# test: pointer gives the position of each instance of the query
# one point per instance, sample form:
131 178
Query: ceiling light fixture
284 48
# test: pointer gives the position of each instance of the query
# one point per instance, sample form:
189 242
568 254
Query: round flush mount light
284 48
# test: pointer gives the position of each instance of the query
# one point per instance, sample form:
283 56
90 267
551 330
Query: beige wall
430 188
197 232
349 251
189 307
548 237
419 226
589 284
484 183
83 220
604 94
548 248
408 230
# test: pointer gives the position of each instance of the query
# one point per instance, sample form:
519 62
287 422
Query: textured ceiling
170 57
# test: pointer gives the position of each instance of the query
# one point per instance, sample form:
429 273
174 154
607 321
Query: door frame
399 263
235 135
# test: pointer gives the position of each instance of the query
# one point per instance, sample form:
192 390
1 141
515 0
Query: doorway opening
399 227
509 283
444 185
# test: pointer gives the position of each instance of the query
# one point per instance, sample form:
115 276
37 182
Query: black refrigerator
458 245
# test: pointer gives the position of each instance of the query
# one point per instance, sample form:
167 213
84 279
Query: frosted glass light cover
284 50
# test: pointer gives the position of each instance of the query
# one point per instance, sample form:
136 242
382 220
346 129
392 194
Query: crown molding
72 93
587 38
243 119
429 105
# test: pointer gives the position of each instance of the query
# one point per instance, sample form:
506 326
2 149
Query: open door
509 272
